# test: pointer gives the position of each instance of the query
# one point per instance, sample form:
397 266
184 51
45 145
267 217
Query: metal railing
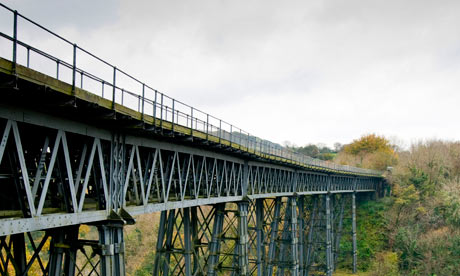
149 101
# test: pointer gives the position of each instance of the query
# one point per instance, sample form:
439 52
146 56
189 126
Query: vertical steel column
56 252
353 222
243 258
19 253
119 249
112 248
313 214
159 249
328 236
195 239
273 236
294 239
63 251
235 268
71 254
285 238
332 204
187 242
301 223
338 235
260 234
107 250
168 243
214 245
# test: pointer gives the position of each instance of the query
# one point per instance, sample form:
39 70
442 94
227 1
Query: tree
370 151
338 147
370 143
310 150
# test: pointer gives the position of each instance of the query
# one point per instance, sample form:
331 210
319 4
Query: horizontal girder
60 175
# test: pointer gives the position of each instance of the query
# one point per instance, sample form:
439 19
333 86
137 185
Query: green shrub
406 243
385 264
147 265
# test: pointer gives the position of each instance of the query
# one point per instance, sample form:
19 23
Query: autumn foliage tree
370 151
370 143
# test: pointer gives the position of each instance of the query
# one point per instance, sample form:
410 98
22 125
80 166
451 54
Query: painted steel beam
137 174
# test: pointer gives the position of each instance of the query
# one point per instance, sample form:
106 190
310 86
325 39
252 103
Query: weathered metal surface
60 166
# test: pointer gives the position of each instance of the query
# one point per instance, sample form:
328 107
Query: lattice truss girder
50 170
45 171
266 180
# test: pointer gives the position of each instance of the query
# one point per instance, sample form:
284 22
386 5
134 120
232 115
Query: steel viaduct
78 148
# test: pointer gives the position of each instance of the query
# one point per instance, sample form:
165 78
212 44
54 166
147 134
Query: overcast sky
299 71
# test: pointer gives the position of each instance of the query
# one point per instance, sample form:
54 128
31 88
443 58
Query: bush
385 264
406 243
371 238
425 214
421 220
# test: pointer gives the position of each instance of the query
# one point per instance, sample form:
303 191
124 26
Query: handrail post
15 40
231 135
247 144
241 134
161 111
113 84
191 121
28 57
220 131
74 67
207 126
143 101
173 101
57 69
155 110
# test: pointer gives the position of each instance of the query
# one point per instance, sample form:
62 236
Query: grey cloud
304 71
85 14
